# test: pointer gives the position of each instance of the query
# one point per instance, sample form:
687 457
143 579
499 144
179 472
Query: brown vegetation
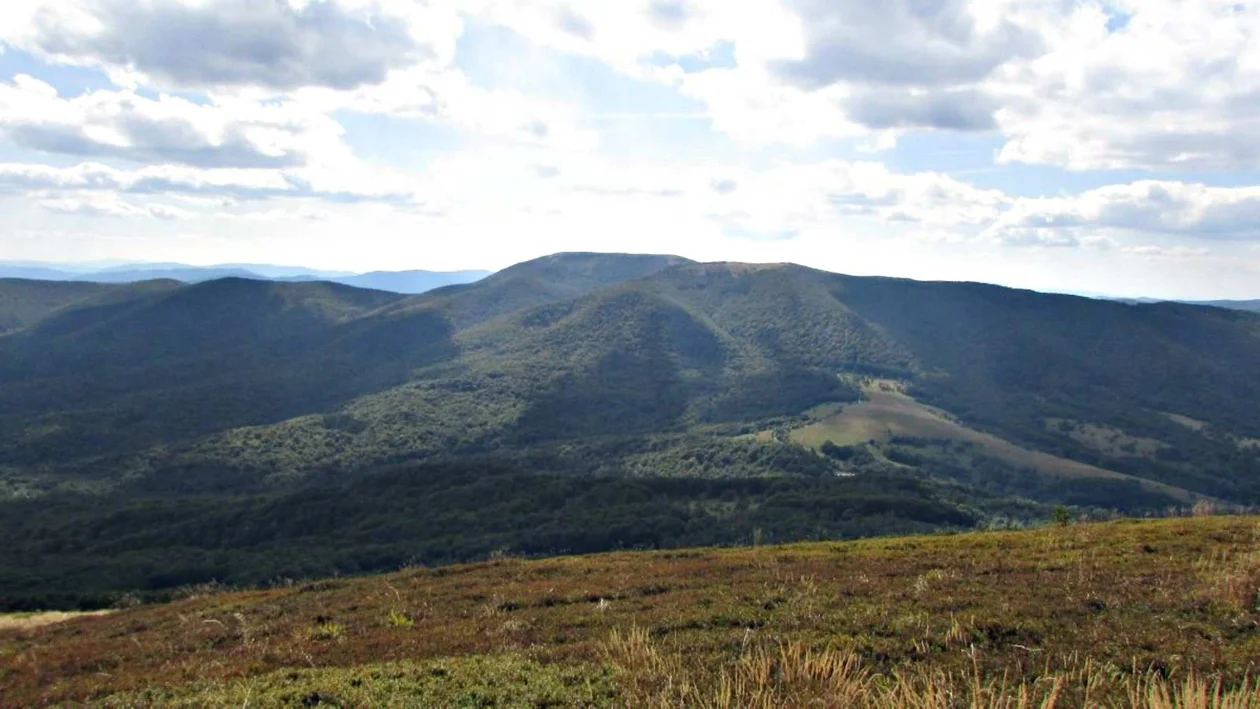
1157 613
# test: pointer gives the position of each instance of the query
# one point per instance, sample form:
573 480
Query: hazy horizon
87 268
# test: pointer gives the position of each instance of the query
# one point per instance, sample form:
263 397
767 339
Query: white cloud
126 125
801 70
906 43
1190 211
1083 84
1177 86
279 45
373 56
111 206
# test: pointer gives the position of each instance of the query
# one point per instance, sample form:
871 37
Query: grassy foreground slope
1124 613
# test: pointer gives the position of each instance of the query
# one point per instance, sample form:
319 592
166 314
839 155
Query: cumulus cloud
802 70
124 124
374 56
279 45
903 43
1079 84
962 110
1176 209
1177 86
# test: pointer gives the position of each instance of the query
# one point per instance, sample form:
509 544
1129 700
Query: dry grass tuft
792 674
1153 692
1231 576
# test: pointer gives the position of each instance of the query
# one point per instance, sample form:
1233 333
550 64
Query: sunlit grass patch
28 621
477 681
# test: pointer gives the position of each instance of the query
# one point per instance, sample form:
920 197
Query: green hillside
161 408
23 302
166 364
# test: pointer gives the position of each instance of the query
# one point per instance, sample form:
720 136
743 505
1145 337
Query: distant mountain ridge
411 282
1252 306
1248 305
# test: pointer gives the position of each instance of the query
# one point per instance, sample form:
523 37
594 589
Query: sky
1090 146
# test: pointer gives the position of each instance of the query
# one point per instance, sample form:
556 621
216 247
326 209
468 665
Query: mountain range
581 402
409 282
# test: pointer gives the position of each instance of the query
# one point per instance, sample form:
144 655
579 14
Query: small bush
327 631
399 619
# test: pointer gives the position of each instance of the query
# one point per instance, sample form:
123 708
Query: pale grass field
887 412
28 621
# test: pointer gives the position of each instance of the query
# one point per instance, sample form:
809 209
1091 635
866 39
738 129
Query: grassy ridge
1116 612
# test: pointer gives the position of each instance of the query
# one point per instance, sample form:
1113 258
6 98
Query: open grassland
1129 613
1192 424
1107 440
887 412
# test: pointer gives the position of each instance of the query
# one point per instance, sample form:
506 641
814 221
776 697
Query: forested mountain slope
239 395
576 346
23 302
